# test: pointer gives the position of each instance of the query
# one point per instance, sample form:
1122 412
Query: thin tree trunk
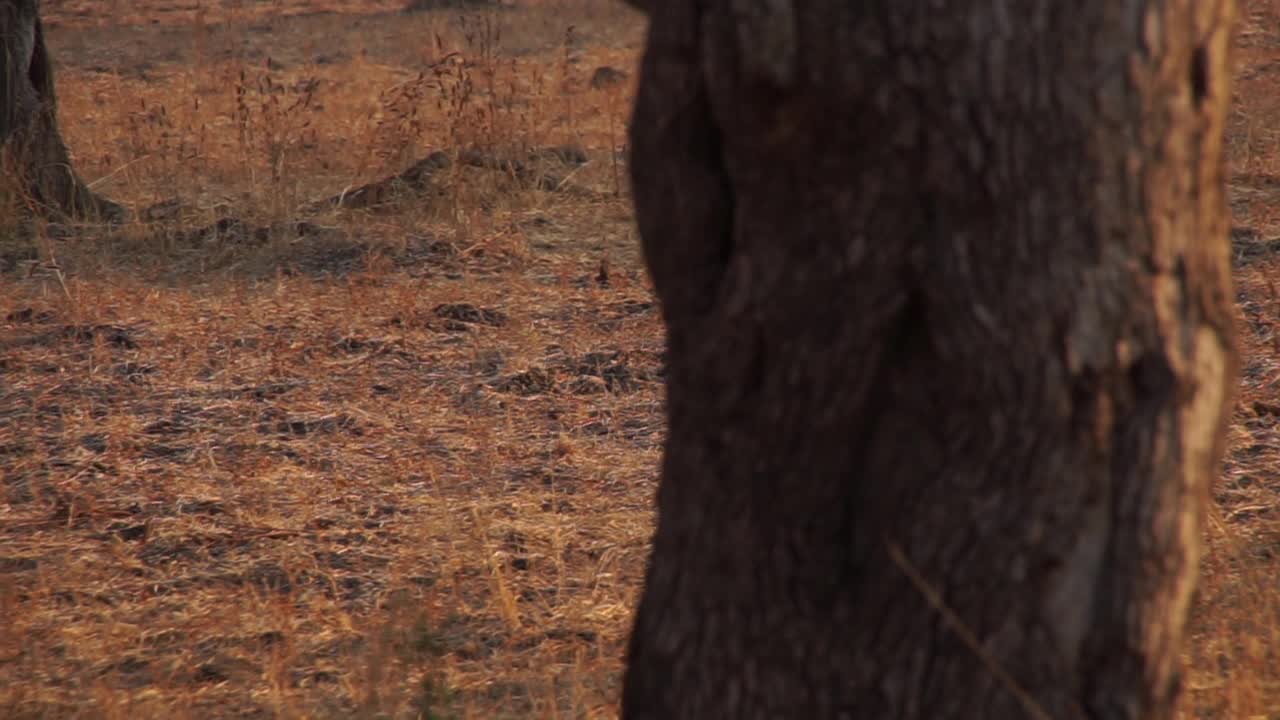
950 348
34 151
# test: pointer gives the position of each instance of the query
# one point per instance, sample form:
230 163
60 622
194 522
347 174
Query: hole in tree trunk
1199 75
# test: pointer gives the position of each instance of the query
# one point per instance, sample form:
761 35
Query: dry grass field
315 437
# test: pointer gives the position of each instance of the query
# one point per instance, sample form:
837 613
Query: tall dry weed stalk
274 122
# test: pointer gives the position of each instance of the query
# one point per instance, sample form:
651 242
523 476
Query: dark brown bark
34 151
947 290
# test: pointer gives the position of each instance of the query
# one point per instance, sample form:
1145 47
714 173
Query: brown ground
265 458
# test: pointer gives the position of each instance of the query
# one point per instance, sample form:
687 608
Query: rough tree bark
950 349
34 151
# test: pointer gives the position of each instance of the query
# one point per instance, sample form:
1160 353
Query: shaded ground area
219 492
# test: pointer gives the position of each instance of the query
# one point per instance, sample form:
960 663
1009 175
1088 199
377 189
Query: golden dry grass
399 462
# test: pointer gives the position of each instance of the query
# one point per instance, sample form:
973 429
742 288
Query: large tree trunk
34 152
948 298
